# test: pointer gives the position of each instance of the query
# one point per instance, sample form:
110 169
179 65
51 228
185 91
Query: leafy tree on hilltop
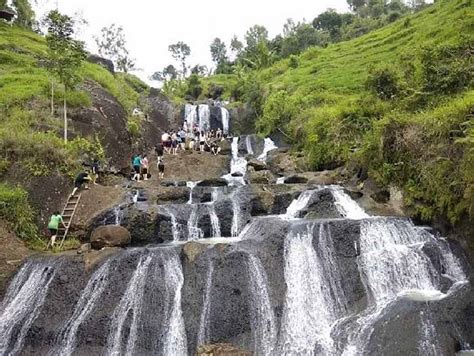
236 46
112 44
180 51
65 54
168 73
218 51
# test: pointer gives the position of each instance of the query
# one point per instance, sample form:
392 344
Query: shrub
17 212
384 82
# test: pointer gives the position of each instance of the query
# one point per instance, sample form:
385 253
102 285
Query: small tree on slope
65 54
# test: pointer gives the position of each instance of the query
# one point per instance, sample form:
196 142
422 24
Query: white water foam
225 120
203 333
204 117
269 145
346 206
215 225
130 306
191 186
89 297
248 145
262 315
23 303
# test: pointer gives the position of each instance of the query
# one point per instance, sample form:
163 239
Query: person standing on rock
95 171
165 141
144 165
82 178
159 150
219 133
136 167
53 227
182 134
174 143
161 167
202 141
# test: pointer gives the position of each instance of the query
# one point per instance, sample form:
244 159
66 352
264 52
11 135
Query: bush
294 61
384 82
447 68
194 86
16 211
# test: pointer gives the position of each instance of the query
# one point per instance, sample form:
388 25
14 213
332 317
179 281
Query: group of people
140 165
191 137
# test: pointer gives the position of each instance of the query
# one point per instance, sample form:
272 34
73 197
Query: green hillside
397 102
30 136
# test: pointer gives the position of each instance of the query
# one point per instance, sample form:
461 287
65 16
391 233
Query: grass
29 134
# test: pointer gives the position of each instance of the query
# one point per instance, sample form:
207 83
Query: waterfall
191 186
216 194
118 214
347 207
391 258
248 144
23 303
280 180
225 120
204 117
174 224
175 342
89 297
268 146
428 345
216 228
298 204
190 115
236 214
203 333
130 306
262 316
307 311
333 290
238 165
194 232
135 197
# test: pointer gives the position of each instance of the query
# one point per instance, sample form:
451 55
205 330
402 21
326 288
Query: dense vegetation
397 102
30 134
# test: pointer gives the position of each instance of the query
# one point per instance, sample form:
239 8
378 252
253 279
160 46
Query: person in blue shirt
137 159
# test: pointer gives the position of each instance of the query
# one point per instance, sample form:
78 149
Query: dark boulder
257 165
176 195
104 62
110 236
295 179
213 182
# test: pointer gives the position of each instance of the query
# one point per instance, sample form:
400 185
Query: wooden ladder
68 214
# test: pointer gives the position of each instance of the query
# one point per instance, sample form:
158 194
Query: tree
65 54
180 51
112 44
218 51
329 21
25 16
168 73
236 46
356 5
194 86
254 36
199 70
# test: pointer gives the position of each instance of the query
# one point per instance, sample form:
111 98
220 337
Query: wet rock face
321 206
177 195
108 120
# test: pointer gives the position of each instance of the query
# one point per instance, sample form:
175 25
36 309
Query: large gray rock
110 236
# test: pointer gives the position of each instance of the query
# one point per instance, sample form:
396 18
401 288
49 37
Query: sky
151 26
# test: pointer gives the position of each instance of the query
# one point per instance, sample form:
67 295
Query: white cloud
151 25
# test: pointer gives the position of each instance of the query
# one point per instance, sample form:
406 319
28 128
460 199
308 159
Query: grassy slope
24 107
324 105
343 67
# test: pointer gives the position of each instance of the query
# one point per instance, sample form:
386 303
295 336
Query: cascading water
248 145
269 145
236 214
225 120
308 309
204 117
175 342
118 213
262 315
23 303
298 204
203 333
190 116
130 306
238 165
194 232
346 206
174 224
191 186
215 225
89 297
